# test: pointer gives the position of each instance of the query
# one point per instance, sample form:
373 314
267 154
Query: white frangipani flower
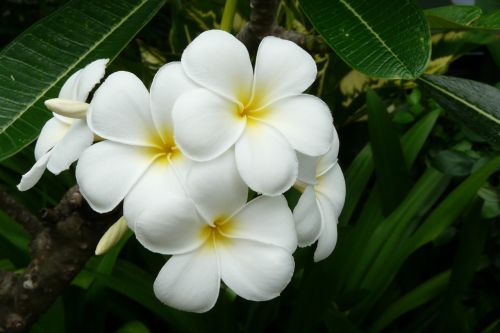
62 138
263 113
216 236
316 214
139 159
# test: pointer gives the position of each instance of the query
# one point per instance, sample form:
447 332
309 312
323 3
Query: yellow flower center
218 232
164 147
252 110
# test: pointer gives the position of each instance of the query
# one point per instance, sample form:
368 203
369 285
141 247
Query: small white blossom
316 214
62 138
138 160
263 113
218 236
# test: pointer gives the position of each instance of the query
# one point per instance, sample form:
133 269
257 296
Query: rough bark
61 245
263 23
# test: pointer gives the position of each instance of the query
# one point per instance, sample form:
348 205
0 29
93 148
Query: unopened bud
67 108
111 236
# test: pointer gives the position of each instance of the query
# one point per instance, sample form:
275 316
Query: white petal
216 187
266 220
307 168
220 62
52 132
79 85
253 270
168 84
120 111
189 282
170 225
328 236
107 171
206 125
69 149
327 161
332 186
266 161
160 180
304 120
281 69
307 218
32 177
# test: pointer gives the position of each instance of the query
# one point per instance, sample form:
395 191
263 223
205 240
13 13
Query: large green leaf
363 34
462 17
476 104
34 66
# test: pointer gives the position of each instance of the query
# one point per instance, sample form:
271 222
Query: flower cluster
183 156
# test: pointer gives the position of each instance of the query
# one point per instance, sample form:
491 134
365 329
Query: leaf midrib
376 35
71 67
462 100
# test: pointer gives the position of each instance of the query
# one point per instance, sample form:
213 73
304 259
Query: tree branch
263 23
59 250
19 213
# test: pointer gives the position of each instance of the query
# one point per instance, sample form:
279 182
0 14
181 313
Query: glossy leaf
362 34
34 66
476 104
462 17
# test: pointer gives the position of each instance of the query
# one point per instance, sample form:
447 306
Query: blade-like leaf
390 165
398 248
362 34
452 206
34 66
361 168
476 104
418 296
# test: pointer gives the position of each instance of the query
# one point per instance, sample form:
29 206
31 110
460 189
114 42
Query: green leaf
133 327
357 177
34 66
379 248
413 299
365 38
450 208
53 320
476 104
360 170
462 17
390 165
453 163
473 237
137 284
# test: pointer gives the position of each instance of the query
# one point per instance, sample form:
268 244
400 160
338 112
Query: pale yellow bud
112 236
67 108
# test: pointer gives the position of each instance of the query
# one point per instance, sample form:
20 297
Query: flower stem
228 15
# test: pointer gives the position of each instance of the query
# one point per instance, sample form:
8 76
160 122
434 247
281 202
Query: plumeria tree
253 166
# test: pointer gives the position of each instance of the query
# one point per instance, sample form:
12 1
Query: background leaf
364 38
476 104
462 17
34 66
